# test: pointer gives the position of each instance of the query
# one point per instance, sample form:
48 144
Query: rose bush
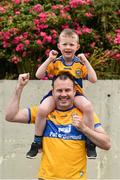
29 29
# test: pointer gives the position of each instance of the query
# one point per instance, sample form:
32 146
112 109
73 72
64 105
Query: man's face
63 93
68 46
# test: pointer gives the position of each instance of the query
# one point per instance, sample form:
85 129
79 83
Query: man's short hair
63 75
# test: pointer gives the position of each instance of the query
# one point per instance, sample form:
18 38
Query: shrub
29 30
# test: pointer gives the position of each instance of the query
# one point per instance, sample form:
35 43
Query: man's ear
74 91
52 92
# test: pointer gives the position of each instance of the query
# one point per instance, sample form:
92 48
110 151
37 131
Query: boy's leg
45 108
82 103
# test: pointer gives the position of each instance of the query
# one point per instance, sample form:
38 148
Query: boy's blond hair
70 33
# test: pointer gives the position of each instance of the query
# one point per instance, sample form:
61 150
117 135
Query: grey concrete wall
15 139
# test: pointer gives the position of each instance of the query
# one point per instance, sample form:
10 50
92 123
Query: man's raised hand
23 79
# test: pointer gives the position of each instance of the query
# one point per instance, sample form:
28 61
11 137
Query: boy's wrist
49 59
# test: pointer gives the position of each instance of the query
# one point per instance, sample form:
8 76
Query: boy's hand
82 58
79 123
52 55
23 79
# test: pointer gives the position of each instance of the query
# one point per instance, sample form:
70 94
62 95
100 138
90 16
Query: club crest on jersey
53 116
78 72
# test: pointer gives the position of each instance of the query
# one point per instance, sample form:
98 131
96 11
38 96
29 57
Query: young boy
80 68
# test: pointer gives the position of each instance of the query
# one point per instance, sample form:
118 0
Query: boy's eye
71 44
65 44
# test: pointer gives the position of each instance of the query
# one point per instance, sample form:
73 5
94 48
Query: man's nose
63 93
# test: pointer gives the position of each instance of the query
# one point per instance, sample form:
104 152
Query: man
64 151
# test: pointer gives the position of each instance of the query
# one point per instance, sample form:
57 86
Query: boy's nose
68 46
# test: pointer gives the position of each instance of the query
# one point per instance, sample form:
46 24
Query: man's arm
13 113
98 135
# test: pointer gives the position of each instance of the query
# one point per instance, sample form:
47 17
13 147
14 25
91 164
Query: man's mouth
63 99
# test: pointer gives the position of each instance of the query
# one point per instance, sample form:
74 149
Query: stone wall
15 139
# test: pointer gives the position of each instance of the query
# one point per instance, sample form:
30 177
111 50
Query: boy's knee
42 111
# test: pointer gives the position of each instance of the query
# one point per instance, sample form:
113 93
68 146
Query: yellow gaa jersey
76 69
64 152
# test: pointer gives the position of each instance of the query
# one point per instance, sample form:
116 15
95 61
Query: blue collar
75 59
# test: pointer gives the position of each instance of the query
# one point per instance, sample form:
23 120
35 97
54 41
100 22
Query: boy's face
68 46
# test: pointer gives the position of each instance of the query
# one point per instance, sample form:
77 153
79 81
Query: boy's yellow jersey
64 152
76 68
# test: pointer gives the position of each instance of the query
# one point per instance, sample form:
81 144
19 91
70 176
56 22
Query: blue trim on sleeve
29 116
97 125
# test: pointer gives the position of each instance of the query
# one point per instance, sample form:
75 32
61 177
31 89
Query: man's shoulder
33 109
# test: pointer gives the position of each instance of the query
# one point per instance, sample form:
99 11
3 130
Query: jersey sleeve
84 72
50 69
32 112
97 122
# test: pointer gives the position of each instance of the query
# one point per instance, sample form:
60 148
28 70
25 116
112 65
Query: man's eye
59 91
67 90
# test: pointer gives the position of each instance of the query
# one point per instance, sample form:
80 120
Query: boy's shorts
50 94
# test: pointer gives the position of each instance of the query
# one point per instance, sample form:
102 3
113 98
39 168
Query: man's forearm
13 105
101 139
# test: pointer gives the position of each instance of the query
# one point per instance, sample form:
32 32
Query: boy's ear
78 46
58 45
